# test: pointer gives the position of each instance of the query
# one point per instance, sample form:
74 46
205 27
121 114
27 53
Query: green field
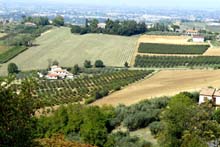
69 49
156 48
177 61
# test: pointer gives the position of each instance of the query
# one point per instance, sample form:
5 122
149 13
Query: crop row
156 48
177 61
86 87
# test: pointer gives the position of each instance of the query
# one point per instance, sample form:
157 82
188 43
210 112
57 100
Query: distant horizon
173 4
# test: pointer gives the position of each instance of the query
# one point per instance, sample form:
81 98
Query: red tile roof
207 91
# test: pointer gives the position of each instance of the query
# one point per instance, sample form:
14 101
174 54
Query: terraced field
59 44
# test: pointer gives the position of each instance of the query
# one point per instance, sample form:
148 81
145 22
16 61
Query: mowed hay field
163 83
69 49
212 52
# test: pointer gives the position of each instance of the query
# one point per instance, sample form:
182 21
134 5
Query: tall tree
12 68
16 117
58 21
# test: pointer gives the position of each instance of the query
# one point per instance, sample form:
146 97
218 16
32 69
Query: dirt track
168 82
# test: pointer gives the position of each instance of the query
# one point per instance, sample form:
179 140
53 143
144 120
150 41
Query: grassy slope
59 44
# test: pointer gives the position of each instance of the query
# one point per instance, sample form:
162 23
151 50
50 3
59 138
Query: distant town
77 14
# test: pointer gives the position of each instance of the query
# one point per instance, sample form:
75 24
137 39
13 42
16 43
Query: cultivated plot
168 82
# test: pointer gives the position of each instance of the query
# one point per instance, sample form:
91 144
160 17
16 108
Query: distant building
191 32
210 94
101 25
198 39
30 24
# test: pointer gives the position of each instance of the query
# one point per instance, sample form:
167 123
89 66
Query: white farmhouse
206 94
210 94
57 72
198 39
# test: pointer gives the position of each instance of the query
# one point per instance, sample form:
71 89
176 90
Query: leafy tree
12 68
156 127
17 110
87 64
126 64
216 115
76 69
75 29
94 25
175 119
58 21
192 140
55 62
99 64
93 131
175 27
183 119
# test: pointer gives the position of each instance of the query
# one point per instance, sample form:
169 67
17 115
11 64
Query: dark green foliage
99 64
126 64
194 141
142 114
156 48
17 109
156 127
187 124
175 27
75 29
58 21
216 115
40 21
76 69
90 123
12 68
121 139
20 40
125 28
55 62
101 94
87 64
176 61
194 96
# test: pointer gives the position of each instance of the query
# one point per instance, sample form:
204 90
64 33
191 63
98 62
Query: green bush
156 48
155 127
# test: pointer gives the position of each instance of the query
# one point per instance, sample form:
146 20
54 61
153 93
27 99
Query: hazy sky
142 3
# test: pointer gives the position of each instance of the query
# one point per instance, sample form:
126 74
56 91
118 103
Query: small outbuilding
198 39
